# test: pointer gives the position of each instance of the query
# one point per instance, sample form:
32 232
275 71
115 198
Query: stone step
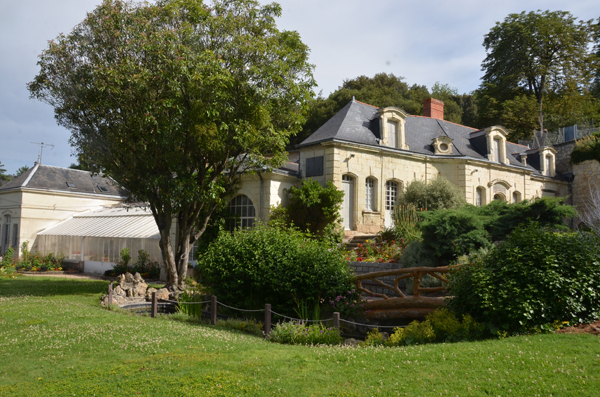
351 242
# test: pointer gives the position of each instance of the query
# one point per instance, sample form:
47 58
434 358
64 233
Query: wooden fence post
336 320
154 305
267 319
110 293
213 310
417 284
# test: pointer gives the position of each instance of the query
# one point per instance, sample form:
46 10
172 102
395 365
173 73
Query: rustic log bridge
415 306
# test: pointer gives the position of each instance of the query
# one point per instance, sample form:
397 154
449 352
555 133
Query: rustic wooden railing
403 306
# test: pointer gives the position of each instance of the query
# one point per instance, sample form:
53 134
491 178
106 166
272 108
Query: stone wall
586 176
563 157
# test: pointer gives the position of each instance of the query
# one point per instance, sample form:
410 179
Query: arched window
15 238
499 197
479 197
516 197
370 194
6 236
243 210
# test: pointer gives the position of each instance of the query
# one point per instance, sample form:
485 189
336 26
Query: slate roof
47 177
358 122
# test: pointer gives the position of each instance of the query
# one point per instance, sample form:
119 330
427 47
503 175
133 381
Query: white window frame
243 208
370 194
391 195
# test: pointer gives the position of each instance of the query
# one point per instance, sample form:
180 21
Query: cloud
425 42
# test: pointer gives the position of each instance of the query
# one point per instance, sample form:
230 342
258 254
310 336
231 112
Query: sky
422 41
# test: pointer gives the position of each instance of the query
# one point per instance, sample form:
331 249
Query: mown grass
55 340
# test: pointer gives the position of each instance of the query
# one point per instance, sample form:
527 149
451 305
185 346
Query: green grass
55 340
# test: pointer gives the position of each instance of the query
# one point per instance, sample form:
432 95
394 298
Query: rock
385 335
351 342
163 293
132 286
119 291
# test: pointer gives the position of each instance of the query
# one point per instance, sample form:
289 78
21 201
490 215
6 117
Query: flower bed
377 250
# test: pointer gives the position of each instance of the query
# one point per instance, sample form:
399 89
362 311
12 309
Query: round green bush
272 264
533 279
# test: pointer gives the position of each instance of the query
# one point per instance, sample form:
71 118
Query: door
391 194
348 205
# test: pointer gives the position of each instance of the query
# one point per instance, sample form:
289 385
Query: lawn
55 340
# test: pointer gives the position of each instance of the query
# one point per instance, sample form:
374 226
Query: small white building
45 196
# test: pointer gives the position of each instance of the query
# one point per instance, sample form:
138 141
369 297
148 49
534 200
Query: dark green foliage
148 269
313 208
437 194
587 148
448 234
537 72
535 278
3 177
416 255
502 218
272 264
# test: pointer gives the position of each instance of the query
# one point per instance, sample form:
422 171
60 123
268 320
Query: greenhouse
96 238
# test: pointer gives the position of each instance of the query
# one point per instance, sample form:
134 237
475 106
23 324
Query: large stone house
370 153
373 153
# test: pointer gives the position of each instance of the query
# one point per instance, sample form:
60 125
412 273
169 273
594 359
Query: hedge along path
55 340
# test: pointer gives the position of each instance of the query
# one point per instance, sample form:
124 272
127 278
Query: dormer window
70 184
548 161
392 127
496 143
392 133
442 145
102 188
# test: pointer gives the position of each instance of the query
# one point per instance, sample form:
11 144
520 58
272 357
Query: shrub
502 218
349 304
587 148
7 260
450 233
534 278
250 326
272 264
442 325
294 333
374 338
313 208
406 221
440 193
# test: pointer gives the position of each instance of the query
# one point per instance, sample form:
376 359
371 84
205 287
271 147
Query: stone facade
585 182
384 164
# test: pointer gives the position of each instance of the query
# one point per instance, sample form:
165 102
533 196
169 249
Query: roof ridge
66 168
518 144
33 171
373 106
446 121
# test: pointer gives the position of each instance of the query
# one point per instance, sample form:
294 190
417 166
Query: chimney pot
433 108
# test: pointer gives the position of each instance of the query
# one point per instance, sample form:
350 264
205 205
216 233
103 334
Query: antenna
42 144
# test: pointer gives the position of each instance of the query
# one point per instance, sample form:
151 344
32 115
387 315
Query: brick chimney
433 108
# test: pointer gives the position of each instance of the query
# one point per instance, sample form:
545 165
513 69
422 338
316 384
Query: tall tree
532 54
175 99
3 177
21 170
